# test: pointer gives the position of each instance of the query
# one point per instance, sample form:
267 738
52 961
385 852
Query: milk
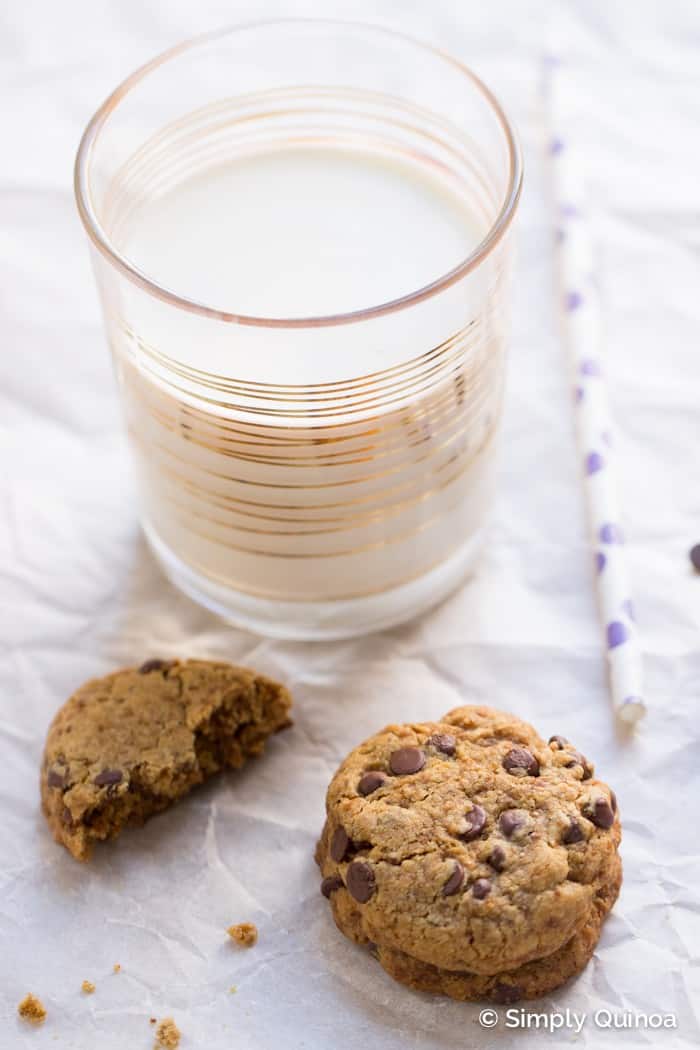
303 232
316 501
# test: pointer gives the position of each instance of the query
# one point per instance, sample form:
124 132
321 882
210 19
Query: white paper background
80 593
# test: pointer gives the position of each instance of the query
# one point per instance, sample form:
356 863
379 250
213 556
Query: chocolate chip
600 813
454 883
497 858
156 665
510 821
577 759
66 815
506 993
108 776
444 742
370 781
355 847
406 760
360 882
56 779
520 762
574 833
559 742
340 843
481 889
476 822
694 556
330 885
613 801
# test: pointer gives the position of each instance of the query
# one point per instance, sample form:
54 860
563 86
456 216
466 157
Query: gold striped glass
305 472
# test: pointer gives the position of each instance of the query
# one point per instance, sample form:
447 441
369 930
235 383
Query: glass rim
102 241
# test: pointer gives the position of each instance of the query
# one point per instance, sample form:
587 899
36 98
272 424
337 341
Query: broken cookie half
126 746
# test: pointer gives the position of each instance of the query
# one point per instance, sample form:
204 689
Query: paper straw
582 333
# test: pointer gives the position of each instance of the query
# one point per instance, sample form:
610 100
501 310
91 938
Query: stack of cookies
472 857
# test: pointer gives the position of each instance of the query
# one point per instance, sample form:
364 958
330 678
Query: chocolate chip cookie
475 858
126 746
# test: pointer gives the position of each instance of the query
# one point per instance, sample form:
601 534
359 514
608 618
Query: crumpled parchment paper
81 594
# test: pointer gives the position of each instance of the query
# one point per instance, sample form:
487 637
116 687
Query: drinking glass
304 474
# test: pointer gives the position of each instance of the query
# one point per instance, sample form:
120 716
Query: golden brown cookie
126 746
473 848
535 978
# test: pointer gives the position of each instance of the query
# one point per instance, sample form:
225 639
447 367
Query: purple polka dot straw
580 309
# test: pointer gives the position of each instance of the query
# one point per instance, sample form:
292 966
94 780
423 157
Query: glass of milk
300 232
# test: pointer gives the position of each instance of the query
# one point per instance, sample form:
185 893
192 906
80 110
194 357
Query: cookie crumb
88 987
32 1009
117 968
233 989
245 934
167 1035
